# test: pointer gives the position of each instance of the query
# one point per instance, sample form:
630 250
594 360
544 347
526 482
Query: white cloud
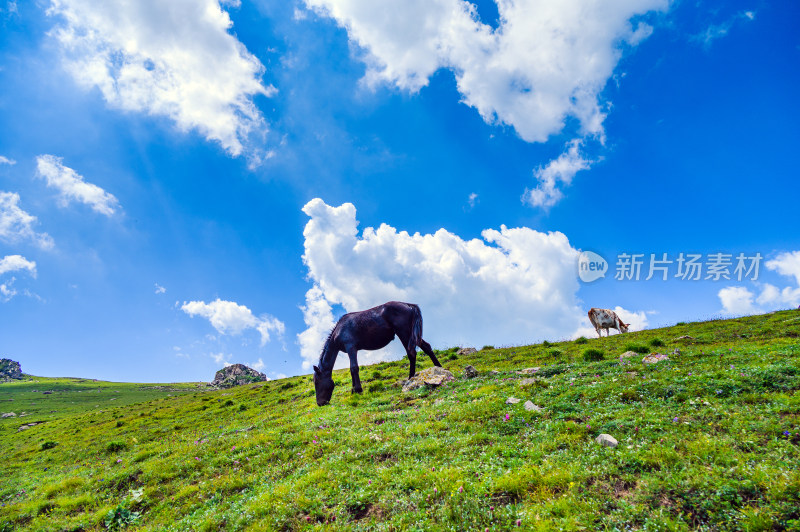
786 264
472 200
221 359
14 263
176 59
160 289
258 366
546 61
717 31
513 286
16 225
72 187
11 263
228 317
6 160
738 300
561 170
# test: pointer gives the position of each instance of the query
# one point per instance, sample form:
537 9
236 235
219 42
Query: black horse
370 329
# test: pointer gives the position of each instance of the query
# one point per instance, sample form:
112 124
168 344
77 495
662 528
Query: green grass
708 440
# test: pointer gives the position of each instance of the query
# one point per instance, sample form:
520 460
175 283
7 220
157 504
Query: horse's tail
416 329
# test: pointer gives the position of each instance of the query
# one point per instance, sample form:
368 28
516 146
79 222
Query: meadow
708 440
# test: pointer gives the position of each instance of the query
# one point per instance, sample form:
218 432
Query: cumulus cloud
11 263
739 300
72 187
6 160
512 286
545 62
14 263
228 317
160 289
16 225
558 171
176 59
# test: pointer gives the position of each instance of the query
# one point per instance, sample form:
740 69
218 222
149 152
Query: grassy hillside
707 440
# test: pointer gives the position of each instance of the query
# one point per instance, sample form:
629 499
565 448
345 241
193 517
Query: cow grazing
602 318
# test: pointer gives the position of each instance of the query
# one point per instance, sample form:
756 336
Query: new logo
591 266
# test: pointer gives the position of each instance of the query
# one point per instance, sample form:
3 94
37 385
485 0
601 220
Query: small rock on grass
512 401
654 358
628 354
528 371
470 372
607 440
532 407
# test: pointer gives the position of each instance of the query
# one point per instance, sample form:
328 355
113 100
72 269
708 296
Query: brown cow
602 318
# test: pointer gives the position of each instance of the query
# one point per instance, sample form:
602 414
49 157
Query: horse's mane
326 345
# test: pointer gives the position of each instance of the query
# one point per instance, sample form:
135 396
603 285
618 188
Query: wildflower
196 458
588 426
369 482
119 460
508 416
519 522
491 508
787 433
675 420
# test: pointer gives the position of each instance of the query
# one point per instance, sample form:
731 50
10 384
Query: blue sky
205 183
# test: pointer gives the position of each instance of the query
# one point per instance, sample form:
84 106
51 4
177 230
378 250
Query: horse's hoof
357 390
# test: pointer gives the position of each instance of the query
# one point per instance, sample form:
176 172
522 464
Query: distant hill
707 438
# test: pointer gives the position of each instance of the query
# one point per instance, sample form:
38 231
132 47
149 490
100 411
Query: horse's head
323 386
623 327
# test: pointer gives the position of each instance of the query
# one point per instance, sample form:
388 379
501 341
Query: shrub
229 402
656 342
116 446
637 348
375 387
242 408
581 340
453 357
546 344
629 396
556 353
120 517
592 355
486 347
48 445
120 423
681 323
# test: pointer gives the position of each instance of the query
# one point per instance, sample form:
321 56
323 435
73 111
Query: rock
494 372
434 376
533 381
466 351
530 407
607 440
470 372
676 351
686 338
236 375
8 414
9 369
512 401
654 358
628 354
528 371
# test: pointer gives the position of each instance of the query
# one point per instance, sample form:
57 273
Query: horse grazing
370 329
